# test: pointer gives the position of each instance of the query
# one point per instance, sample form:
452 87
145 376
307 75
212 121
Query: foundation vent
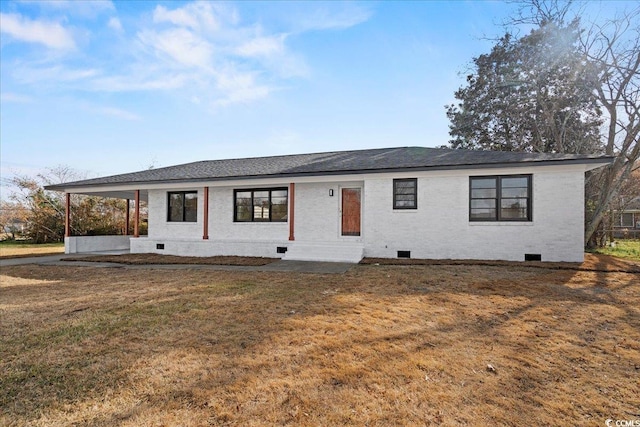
404 254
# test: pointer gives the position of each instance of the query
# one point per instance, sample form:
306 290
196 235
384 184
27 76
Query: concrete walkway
277 266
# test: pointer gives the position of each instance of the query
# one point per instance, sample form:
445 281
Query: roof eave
593 162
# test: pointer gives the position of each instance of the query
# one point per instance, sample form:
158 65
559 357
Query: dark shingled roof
332 163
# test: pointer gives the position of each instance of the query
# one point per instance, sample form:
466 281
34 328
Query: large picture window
405 193
500 198
261 205
182 206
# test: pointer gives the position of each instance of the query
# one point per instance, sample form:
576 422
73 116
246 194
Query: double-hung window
260 205
182 206
500 198
405 193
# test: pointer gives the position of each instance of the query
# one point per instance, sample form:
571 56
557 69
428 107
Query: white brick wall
438 229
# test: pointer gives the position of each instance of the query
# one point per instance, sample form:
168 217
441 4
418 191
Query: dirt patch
592 262
141 259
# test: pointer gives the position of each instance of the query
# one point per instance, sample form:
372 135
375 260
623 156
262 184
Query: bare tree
615 49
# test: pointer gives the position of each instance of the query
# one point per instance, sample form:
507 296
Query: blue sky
112 87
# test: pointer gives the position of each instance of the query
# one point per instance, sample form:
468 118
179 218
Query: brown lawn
29 250
380 345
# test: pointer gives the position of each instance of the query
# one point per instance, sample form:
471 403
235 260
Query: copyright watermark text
622 423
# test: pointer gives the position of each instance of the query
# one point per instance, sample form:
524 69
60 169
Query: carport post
126 218
292 205
205 216
136 215
67 215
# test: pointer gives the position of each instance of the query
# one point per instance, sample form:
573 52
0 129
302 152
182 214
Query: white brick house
340 206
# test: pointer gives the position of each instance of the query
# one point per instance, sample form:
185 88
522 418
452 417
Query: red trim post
126 218
136 215
205 216
292 204
67 215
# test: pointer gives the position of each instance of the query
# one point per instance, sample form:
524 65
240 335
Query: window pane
279 212
483 193
175 206
488 214
261 213
191 207
483 183
626 220
483 203
521 181
261 205
514 192
513 209
279 193
404 193
243 206
243 213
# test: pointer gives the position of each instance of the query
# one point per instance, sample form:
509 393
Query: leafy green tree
536 93
560 88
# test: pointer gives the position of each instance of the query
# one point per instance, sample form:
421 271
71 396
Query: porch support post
126 218
292 205
205 216
67 215
136 215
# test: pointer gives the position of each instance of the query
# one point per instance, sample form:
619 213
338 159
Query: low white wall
204 248
83 244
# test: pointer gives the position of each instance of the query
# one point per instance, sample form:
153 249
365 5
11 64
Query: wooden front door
351 211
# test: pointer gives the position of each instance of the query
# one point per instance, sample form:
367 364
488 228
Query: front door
351 211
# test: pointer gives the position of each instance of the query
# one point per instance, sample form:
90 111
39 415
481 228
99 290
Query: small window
500 198
182 206
405 193
261 205
626 220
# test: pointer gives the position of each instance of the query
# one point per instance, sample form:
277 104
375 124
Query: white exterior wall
317 215
440 227
226 237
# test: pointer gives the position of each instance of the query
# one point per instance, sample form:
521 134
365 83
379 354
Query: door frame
361 188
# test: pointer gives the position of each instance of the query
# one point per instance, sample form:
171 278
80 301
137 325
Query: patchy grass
150 259
629 249
16 249
380 345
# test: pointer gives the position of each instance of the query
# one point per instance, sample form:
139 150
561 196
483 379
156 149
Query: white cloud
236 87
180 45
332 16
262 46
199 16
54 73
132 83
117 112
115 24
50 34
201 51
15 97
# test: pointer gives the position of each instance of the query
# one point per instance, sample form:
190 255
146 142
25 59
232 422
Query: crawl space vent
159 245
404 254
532 257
